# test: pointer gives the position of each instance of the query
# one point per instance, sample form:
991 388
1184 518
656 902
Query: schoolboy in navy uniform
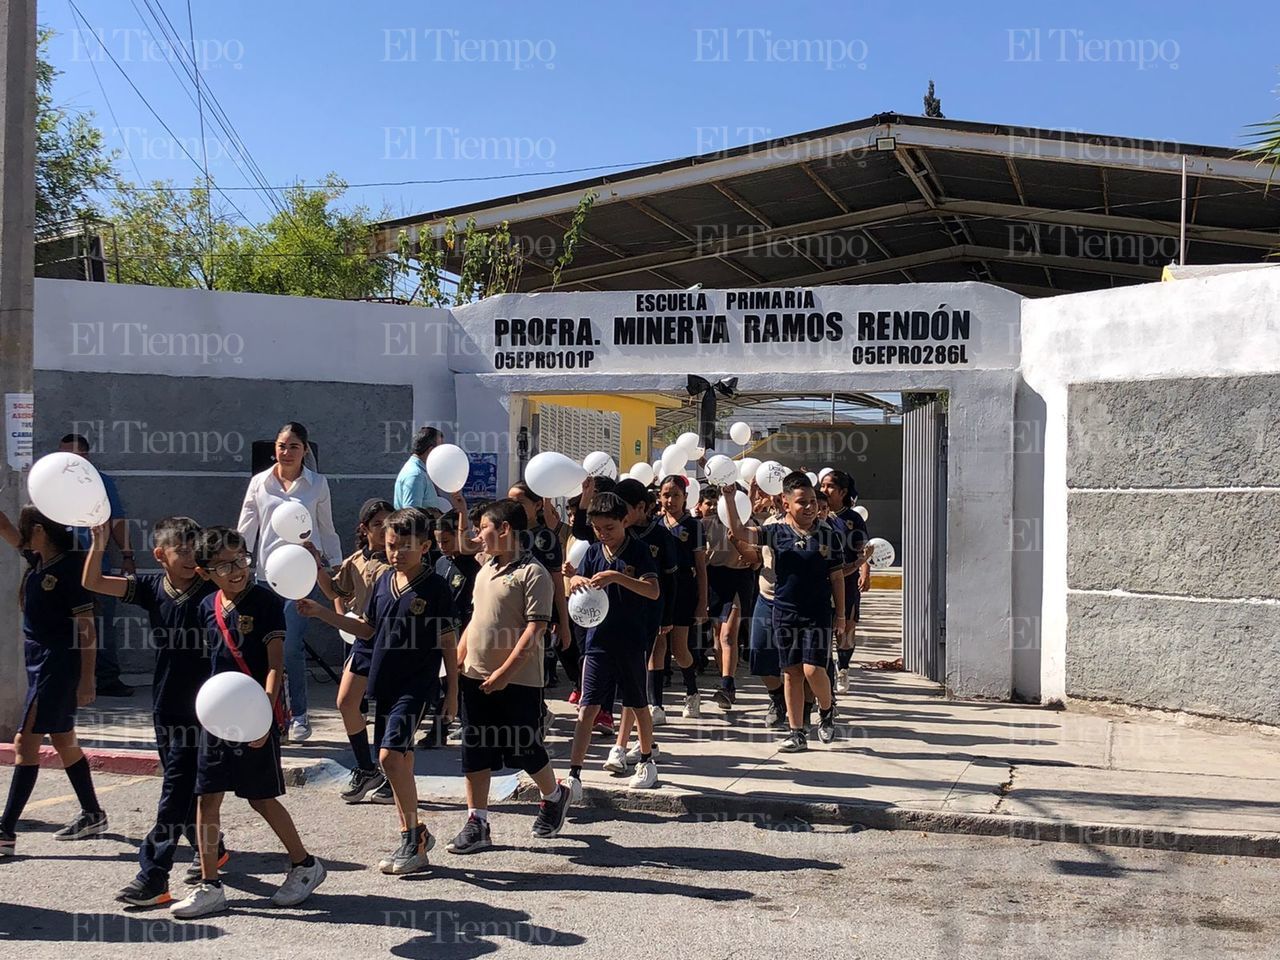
59 646
244 624
410 619
458 568
501 683
172 601
806 560
837 488
617 649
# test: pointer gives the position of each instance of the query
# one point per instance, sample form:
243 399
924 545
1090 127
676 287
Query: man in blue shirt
413 487
107 671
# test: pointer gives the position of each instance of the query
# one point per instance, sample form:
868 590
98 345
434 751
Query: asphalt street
631 884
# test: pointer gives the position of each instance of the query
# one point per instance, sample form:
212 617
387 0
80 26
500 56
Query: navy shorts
248 772
802 643
686 601
852 598
762 652
360 658
396 722
603 671
724 586
501 730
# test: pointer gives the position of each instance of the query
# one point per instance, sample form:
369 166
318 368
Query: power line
110 110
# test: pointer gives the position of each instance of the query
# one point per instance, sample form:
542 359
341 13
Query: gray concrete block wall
1173 593
179 445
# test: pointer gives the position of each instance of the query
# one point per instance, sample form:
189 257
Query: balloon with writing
588 607
882 552
291 521
68 489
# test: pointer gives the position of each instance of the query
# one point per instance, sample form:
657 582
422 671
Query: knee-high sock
690 675
655 688
82 783
20 787
843 657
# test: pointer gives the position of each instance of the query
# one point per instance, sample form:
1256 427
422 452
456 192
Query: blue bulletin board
482 482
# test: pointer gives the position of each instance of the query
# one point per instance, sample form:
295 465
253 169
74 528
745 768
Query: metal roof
893 199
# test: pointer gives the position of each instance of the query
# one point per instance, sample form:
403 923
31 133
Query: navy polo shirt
802 564
178 638
545 547
687 538
254 619
629 622
52 598
460 574
855 534
408 623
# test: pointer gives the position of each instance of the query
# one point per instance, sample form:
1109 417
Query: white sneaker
299 729
574 786
645 777
842 681
617 761
633 755
298 884
658 715
203 900
692 707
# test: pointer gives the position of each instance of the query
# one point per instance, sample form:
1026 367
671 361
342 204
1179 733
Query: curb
727 806
143 763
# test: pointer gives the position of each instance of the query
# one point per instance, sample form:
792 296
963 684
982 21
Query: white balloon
624 476
861 511
722 471
691 490
741 501
233 706
68 489
823 472
658 472
882 552
747 468
588 607
577 552
448 467
740 433
813 478
674 458
349 637
292 521
689 440
600 464
642 472
552 474
769 477
291 571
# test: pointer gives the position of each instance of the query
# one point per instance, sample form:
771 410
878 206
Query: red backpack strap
276 707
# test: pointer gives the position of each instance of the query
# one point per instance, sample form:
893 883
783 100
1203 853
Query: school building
1088 455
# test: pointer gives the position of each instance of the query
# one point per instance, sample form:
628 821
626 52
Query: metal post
17 298
1182 218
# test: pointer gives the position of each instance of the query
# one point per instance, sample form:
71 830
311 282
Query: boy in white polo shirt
500 677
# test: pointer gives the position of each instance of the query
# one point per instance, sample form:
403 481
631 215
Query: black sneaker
551 815
775 717
142 894
827 725
193 876
115 688
362 782
724 697
794 742
85 825
472 838
383 794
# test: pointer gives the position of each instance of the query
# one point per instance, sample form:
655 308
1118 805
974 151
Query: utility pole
17 302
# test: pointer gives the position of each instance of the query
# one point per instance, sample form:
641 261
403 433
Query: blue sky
400 91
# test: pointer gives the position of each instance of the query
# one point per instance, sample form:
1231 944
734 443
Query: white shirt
266 492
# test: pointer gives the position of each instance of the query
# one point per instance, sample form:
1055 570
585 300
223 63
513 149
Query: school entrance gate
927 341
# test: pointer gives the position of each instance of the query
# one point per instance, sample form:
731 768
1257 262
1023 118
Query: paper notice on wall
19 419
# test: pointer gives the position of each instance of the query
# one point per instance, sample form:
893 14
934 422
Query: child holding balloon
616 649
689 606
349 590
244 627
59 646
729 589
172 601
409 618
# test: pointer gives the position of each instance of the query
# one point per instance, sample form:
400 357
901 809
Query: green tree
161 235
932 105
71 161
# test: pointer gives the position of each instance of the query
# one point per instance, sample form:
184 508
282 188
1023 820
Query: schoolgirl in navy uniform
59 644
690 602
837 488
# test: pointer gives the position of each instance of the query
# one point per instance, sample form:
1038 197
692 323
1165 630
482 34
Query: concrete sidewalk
906 758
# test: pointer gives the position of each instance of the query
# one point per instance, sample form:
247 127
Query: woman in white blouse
290 480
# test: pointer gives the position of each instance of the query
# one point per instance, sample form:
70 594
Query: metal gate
924 535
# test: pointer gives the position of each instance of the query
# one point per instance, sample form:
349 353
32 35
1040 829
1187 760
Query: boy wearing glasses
172 601
244 629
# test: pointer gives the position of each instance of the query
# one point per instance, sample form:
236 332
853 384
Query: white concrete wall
1212 327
